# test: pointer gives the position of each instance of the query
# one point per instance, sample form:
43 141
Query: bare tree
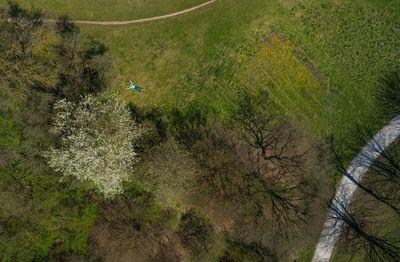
215 153
275 182
268 132
257 122
276 201
128 216
351 231
386 171
384 180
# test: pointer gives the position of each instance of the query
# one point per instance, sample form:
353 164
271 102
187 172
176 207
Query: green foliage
79 222
27 50
133 189
350 52
65 26
135 212
84 67
194 231
154 213
154 122
14 10
9 133
62 61
238 251
39 212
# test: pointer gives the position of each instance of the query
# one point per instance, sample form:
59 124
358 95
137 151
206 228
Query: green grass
342 47
167 57
9 134
109 10
36 216
190 57
201 55
352 44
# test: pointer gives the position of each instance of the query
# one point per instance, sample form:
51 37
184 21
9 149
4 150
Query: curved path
137 21
346 188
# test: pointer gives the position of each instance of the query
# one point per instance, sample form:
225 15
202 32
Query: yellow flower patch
279 67
277 61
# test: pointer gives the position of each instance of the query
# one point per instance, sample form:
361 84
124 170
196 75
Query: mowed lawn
320 61
108 9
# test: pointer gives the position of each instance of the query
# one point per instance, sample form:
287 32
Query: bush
188 125
252 252
84 68
153 122
28 56
194 231
40 214
59 60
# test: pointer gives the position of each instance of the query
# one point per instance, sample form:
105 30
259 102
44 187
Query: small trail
137 21
346 188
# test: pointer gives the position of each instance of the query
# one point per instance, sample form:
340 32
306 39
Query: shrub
194 231
188 125
239 251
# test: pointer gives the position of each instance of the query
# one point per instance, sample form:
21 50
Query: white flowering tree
96 142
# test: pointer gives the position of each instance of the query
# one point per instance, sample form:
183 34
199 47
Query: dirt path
137 21
346 188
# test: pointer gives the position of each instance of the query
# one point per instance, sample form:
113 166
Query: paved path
346 188
137 21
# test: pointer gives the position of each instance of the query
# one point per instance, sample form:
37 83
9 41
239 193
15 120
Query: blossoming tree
96 142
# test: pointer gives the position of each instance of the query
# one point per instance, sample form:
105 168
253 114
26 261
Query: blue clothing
135 87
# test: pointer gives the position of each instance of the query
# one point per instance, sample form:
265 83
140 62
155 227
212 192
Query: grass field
352 44
323 73
168 54
109 10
